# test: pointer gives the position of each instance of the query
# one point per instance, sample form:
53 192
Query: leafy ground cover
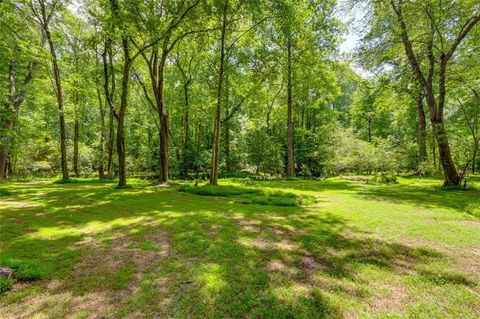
359 250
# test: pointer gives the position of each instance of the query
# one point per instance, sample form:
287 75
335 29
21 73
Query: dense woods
223 88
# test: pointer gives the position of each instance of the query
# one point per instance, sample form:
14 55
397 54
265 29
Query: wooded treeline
212 88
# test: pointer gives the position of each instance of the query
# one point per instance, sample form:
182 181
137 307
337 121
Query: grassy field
275 249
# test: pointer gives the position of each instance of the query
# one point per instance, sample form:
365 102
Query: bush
25 270
216 190
250 195
384 179
5 284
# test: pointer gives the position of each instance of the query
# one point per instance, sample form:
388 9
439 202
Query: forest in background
224 88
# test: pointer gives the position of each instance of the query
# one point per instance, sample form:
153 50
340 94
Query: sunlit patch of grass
211 279
473 209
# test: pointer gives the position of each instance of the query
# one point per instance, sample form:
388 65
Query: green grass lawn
275 249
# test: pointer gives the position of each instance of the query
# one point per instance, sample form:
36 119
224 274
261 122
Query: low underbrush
249 195
24 270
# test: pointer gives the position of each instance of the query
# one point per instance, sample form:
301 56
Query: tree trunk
450 171
163 120
122 173
435 102
110 145
290 147
474 161
101 166
227 126
109 89
228 163
75 147
58 92
11 111
218 109
422 132
4 148
186 131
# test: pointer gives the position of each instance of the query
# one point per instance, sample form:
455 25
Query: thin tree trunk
110 145
101 166
58 92
122 174
186 131
227 125
474 161
4 148
75 147
422 133
290 146
218 109
109 90
163 120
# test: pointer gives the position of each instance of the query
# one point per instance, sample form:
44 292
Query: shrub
25 270
216 190
384 179
250 195
5 284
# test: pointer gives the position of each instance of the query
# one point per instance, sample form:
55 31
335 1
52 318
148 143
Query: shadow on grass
422 197
215 258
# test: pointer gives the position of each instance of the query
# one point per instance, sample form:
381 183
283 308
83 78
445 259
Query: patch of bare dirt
392 302
309 264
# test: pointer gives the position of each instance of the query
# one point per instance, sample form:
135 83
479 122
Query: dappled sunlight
90 228
211 280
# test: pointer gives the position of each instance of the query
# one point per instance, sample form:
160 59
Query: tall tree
20 69
161 44
44 12
446 34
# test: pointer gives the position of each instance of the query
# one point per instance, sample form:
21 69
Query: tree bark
4 148
218 109
122 174
109 90
290 145
110 145
58 90
75 147
422 130
474 160
163 120
228 164
101 165
450 171
186 126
